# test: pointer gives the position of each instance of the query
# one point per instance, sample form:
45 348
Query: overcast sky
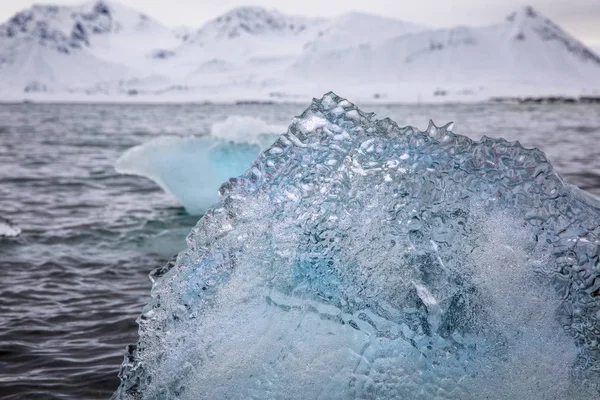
581 18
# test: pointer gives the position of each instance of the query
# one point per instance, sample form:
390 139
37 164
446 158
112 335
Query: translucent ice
356 259
193 168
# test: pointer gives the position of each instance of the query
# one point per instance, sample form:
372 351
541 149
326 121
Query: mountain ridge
103 50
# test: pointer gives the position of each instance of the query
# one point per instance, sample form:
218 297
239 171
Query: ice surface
193 168
359 260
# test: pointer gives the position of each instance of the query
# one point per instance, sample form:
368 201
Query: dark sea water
75 280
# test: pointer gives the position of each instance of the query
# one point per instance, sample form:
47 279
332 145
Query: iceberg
356 259
192 168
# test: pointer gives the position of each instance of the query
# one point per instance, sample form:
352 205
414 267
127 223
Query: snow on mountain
95 24
82 48
254 21
60 28
526 53
353 29
235 55
105 49
183 32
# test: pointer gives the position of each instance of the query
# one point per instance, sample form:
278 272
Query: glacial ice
356 259
192 168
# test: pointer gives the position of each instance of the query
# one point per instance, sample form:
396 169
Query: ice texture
356 259
192 168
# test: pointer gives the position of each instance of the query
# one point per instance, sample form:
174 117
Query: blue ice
192 168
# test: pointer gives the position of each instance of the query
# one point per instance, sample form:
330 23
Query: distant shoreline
157 101
547 100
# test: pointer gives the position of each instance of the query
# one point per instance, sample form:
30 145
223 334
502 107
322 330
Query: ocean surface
75 279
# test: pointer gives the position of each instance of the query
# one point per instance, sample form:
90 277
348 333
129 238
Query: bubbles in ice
357 259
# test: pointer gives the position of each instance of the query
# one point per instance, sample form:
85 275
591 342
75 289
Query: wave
193 168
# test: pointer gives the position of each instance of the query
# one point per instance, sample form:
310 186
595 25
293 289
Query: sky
581 18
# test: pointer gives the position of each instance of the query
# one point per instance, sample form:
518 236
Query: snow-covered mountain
104 51
525 53
253 21
353 29
60 49
246 36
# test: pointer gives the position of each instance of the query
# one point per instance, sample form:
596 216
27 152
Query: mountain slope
245 36
526 50
60 48
352 29
253 21
102 48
